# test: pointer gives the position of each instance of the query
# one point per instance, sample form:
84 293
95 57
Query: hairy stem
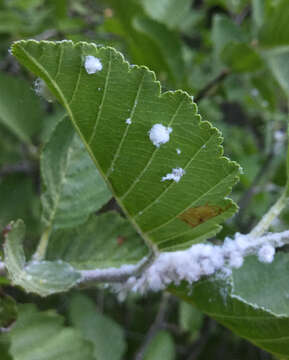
272 214
42 246
114 275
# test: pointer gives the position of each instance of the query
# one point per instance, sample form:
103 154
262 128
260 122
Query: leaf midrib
146 239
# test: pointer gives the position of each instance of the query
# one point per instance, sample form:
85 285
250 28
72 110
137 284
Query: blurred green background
222 52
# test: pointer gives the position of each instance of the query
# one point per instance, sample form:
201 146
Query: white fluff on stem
202 260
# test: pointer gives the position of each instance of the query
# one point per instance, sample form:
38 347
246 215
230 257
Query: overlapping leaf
253 303
161 347
149 42
74 188
20 108
8 310
42 336
274 40
167 214
104 333
43 278
170 12
106 240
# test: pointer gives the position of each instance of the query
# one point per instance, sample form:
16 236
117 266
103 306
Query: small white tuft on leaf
266 254
92 64
178 151
42 90
175 175
160 134
128 121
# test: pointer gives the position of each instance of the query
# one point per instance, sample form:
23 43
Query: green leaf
20 108
105 334
275 29
4 348
149 42
241 57
190 318
18 200
225 31
43 278
8 310
42 336
161 347
167 214
172 13
273 40
74 188
253 303
168 43
107 240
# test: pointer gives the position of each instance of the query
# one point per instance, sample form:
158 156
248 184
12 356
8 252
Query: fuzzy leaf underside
99 104
106 240
43 278
74 188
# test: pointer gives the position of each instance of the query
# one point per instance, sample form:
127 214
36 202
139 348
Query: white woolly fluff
175 175
128 121
202 260
92 64
266 254
42 90
178 151
160 134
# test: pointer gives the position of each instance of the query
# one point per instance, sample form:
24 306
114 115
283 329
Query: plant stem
156 326
43 243
114 275
212 84
267 219
2 269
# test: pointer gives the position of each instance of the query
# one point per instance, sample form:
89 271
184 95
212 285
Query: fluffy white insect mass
175 175
160 134
128 121
202 260
92 64
266 253
178 151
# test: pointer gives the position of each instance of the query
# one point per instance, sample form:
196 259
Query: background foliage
232 56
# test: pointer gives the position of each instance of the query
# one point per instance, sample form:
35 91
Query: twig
20 168
212 84
156 326
2 269
196 348
47 34
114 275
249 193
242 16
267 219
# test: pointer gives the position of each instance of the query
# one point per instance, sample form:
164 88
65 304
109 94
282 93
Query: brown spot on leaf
200 214
120 240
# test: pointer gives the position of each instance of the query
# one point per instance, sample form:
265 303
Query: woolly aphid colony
201 260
